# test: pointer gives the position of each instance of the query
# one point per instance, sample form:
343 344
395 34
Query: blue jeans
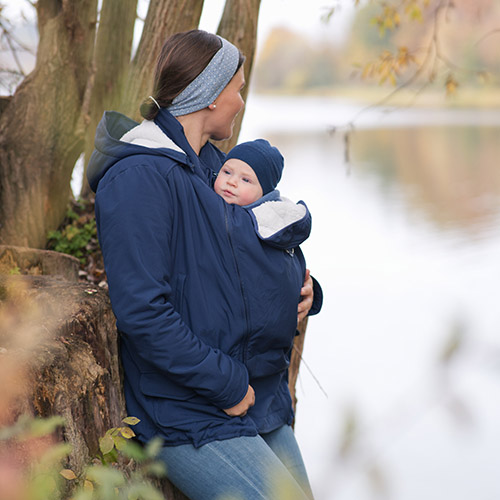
268 466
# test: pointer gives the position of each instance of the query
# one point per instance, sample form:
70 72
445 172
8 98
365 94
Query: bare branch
487 35
13 51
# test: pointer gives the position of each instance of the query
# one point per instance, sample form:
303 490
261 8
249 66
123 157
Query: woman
203 315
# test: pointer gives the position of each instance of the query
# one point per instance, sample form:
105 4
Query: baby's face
237 183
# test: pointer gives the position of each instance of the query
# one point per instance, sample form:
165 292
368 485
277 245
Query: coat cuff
317 298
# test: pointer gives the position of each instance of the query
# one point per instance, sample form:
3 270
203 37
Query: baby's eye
245 179
226 171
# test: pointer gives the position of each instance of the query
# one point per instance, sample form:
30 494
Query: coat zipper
242 288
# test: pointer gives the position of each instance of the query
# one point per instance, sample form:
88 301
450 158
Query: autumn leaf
131 420
451 85
68 474
127 433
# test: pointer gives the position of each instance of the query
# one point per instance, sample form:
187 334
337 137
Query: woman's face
228 104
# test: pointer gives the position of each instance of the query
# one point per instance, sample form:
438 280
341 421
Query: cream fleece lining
148 134
273 216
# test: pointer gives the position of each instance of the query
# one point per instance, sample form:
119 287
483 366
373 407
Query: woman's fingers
241 409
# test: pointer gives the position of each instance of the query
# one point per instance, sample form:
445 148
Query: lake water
400 397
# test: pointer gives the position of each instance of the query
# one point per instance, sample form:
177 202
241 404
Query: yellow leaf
88 485
366 71
68 474
127 433
131 420
451 87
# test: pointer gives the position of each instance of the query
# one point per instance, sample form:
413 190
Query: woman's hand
307 294
242 407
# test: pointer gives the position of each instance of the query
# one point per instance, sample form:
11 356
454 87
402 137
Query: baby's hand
307 294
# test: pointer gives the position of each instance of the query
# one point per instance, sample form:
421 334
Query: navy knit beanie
265 160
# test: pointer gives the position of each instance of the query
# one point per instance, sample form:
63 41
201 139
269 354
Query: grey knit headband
206 87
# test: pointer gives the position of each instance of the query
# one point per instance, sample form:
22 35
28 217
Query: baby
252 169
249 178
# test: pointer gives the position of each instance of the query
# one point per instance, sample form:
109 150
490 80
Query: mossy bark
41 135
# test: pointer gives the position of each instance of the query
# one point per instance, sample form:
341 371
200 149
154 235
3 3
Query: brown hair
182 58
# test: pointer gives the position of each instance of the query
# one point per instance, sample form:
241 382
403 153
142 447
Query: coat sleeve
134 213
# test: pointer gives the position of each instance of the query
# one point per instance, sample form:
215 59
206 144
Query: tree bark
111 62
296 358
39 137
65 334
164 18
59 343
239 25
40 140
19 260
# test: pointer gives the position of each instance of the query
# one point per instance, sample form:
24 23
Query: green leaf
43 426
156 469
143 491
111 457
135 451
54 454
119 442
154 447
106 444
105 475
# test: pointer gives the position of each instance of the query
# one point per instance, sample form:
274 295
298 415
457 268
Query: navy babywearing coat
204 305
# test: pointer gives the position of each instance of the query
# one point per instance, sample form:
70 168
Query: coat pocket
176 406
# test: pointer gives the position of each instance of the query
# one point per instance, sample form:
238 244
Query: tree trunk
296 358
59 349
40 139
164 18
112 54
239 25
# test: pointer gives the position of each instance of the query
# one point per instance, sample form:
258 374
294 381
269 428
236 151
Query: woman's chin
223 135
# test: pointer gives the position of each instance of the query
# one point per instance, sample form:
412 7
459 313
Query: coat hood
279 221
118 137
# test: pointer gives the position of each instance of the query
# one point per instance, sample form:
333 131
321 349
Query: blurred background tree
420 44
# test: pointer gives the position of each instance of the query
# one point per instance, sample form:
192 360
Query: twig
487 35
310 371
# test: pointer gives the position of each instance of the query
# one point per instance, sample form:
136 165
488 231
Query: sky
303 16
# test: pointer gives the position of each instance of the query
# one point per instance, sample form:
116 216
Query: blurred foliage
33 469
108 480
413 43
291 63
